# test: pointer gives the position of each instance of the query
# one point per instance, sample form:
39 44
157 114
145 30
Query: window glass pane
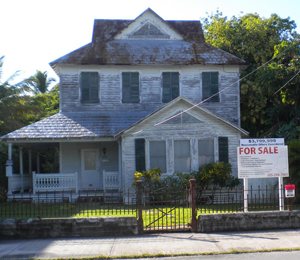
158 155
89 160
206 151
182 156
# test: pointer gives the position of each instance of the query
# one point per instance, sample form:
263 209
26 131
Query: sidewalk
152 244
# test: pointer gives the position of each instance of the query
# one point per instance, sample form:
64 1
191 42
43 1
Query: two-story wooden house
144 93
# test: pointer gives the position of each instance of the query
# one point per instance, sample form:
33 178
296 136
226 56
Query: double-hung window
170 86
206 152
89 87
182 157
210 86
158 155
130 87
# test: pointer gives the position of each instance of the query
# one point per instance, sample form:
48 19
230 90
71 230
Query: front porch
57 186
82 168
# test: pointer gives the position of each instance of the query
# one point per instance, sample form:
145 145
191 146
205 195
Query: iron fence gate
164 209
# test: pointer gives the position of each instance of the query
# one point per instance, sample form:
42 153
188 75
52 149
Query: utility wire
203 101
287 82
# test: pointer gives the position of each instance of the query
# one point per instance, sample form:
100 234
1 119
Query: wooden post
21 166
281 194
246 194
193 205
140 209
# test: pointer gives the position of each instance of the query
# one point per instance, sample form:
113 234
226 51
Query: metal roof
78 125
106 50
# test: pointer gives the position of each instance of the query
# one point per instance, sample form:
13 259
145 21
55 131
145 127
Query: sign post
263 158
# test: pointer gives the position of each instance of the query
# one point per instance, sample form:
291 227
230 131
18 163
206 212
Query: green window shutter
170 84
210 86
223 150
140 163
130 87
94 87
135 87
89 87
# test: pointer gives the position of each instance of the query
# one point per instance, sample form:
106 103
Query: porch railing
54 182
111 180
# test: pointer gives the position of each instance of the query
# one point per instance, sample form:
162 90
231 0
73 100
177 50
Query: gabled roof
107 49
191 105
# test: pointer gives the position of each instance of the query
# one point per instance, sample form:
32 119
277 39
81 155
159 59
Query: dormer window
89 87
170 85
210 86
130 87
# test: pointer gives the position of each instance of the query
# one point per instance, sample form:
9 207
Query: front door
90 169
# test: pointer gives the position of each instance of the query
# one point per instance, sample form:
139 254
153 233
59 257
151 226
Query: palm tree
40 83
13 102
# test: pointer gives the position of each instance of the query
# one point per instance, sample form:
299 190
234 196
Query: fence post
140 210
193 204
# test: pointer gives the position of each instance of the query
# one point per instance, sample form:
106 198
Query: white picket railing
54 182
111 180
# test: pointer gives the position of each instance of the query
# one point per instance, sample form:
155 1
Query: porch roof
78 125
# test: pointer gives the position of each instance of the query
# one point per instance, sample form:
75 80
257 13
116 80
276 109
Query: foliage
294 165
18 109
210 175
214 175
256 40
39 83
151 178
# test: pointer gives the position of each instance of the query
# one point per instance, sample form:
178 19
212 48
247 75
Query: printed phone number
278 175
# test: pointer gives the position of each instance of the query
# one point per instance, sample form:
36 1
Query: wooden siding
71 156
208 128
150 89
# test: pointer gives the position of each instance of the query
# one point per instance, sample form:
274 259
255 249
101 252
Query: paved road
152 244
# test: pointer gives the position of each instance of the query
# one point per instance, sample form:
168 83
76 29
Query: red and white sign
262 161
290 191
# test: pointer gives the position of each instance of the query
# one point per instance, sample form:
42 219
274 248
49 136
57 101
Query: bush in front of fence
211 175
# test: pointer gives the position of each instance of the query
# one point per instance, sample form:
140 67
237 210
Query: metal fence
57 204
155 209
233 200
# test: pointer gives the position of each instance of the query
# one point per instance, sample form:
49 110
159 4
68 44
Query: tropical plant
40 83
253 39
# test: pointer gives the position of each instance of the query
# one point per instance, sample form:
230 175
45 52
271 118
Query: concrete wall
248 221
68 227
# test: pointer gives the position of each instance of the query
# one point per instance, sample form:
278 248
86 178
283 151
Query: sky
36 32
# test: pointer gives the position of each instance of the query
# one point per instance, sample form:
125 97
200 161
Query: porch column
30 162
9 151
120 164
38 170
9 162
21 165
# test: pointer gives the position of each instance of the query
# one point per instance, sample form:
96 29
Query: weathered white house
144 93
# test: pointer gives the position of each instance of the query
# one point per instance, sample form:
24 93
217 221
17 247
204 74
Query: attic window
210 86
89 87
149 31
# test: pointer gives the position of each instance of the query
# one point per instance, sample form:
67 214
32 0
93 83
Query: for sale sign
262 161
